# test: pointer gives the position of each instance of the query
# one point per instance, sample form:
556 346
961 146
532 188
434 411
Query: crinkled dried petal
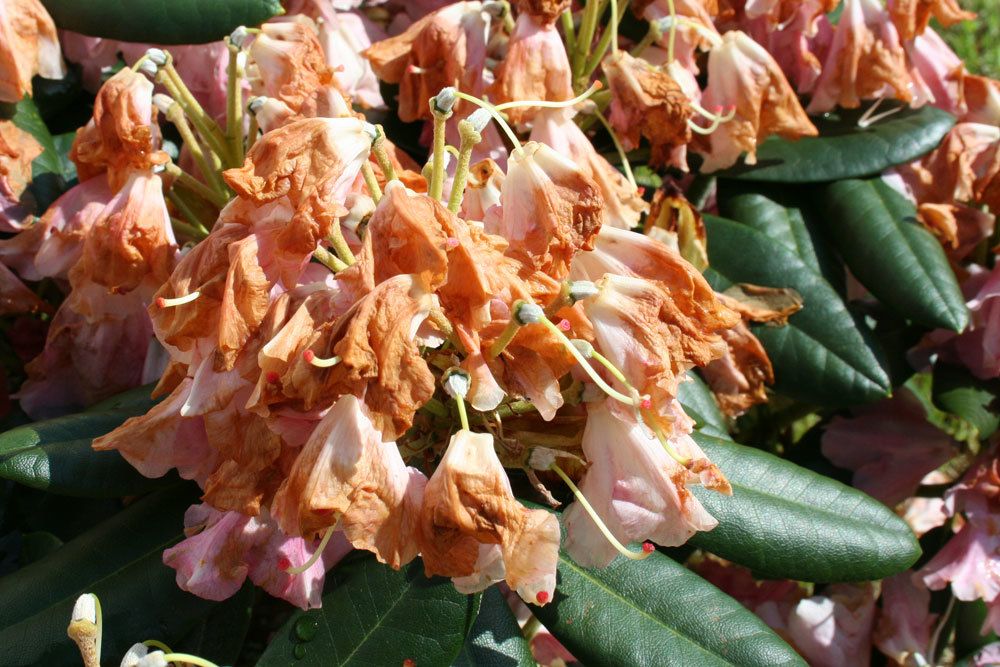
245 298
743 76
28 46
346 475
550 210
162 440
866 60
17 150
912 17
291 67
444 48
647 102
131 242
675 221
536 67
468 502
50 247
739 378
122 135
408 237
754 303
545 11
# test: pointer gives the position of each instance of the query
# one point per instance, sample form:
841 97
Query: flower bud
528 313
479 119
582 289
239 36
445 100
157 56
456 383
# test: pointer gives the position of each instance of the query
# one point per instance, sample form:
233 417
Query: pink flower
635 487
905 625
866 60
555 128
743 76
938 71
835 629
223 548
890 446
50 247
978 347
344 36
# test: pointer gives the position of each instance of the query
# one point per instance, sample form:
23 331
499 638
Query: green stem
437 158
191 183
339 243
378 148
187 212
585 37
234 106
608 38
206 126
371 182
569 32
175 114
328 259
618 146
469 140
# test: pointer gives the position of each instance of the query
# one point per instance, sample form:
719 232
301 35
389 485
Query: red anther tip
451 242
598 85
648 547
161 302
409 662
272 377
542 597
641 191
308 355
284 563
646 404
731 107
565 325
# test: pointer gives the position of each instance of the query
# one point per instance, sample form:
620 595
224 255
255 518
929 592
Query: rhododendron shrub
484 332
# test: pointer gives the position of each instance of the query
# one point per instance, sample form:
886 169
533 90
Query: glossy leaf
160 21
890 253
136 401
655 612
121 562
844 150
787 522
823 355
374 615
785 215
495 639
55 455
699 404
219 636
958 392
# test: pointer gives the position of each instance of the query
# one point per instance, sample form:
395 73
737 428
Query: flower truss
353 351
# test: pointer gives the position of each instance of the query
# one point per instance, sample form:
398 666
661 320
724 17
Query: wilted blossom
872 443
17 150
28 46
743 76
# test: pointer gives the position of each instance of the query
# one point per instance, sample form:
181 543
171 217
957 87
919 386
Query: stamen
310 358
619 547
542 597
648 547
316 554
674 454
189 659
868 119
451 242
284 563
441 109
564 325
177 301
497 116
590 370
456 383
153 643
594 87
522 313
470 133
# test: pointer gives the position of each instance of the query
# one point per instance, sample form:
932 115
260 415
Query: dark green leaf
495 640
47 181
55 455
889 252
656 612
844 150
35 546
785 215
822 356
220 635
956 391
374 615
160 21
699 404
137 401
969 620
121 562
787 522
